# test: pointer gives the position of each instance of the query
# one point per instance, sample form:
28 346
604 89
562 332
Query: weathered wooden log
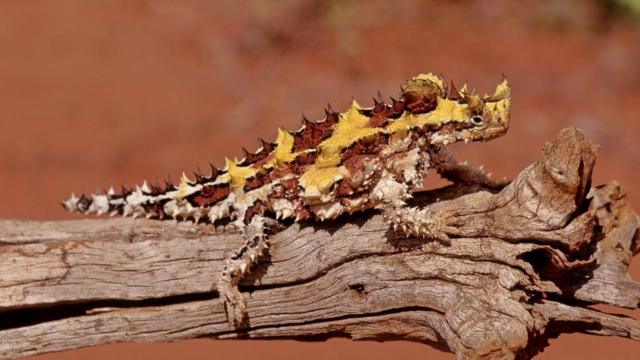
526 263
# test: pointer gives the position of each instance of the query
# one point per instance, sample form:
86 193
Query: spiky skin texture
360 159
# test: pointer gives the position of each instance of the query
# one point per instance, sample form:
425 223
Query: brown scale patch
259 163
200 178
421 106
156 209
420 100
215 172
397 108
367 146
379 114
364 172
302 211
453 92
312 134
286 189
291 187
421 132
278 172
380 120
331 117
449 128
209 195
259 156
421 95
378 104
356 164
300 163
277 192
345 188
256 181
258 208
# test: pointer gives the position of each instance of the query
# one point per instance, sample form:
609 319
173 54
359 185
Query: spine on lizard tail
326 167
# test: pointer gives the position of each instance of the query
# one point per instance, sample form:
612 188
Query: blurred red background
100 93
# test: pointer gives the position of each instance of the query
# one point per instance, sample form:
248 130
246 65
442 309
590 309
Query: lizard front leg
412 221
443 161
238 265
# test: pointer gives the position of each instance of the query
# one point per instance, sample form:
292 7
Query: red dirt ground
98 93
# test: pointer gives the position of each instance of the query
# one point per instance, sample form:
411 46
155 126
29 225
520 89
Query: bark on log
526 264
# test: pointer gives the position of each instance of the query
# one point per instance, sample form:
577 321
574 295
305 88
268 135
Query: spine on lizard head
325 168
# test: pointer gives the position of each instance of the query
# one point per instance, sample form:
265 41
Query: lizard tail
138 202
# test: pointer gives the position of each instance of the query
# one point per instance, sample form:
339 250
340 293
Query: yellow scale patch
431 77
317 181
284 149
352 127
184 189
503 90
501 108
237 175
446 110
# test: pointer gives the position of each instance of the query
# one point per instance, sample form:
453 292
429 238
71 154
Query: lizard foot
234 302
237 267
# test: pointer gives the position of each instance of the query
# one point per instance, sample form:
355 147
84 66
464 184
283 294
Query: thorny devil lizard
363 158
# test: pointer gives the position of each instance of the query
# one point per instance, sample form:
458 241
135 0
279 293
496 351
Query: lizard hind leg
238 265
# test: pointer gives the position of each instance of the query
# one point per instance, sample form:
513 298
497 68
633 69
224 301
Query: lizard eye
477 120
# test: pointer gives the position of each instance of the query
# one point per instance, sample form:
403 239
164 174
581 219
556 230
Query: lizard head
487 117
454 116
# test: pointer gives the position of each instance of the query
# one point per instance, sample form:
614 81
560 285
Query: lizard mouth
496 129
493 133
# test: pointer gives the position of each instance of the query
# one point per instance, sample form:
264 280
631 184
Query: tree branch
525 263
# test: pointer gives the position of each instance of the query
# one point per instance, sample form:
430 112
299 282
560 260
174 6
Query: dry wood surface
528 261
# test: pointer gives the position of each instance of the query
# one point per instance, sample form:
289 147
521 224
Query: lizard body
360 159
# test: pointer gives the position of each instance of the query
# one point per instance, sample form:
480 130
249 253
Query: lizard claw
235 304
